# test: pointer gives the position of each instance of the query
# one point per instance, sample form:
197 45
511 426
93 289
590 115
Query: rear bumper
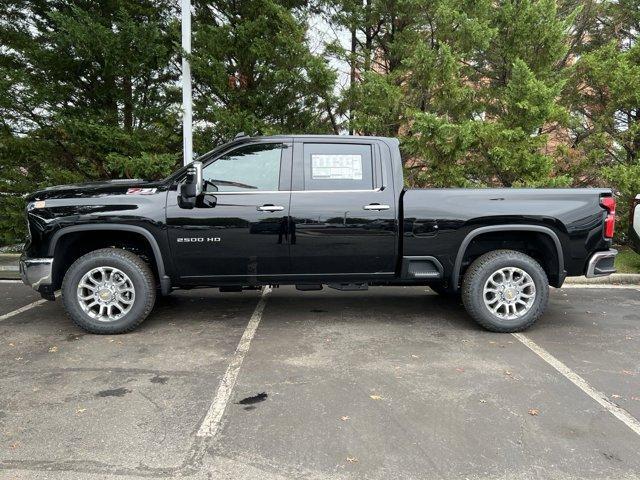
36 272
601 264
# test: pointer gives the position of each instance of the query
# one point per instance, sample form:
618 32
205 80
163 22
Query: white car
634 228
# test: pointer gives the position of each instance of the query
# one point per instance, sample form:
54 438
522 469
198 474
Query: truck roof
320 136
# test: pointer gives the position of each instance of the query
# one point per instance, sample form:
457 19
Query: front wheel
109 291
505 291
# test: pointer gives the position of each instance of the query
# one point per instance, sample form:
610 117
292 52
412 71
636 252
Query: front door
238 232
344 219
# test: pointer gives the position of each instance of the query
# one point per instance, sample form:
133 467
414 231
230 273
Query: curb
615 279
9 269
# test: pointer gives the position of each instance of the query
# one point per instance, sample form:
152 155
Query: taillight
609 204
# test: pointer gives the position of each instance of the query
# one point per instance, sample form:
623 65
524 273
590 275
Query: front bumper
601 264
36 272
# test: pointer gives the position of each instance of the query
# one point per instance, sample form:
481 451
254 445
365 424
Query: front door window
245 169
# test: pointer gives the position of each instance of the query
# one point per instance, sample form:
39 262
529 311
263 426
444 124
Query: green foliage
12 225
148 165
470 86
254 72
627 261
626 178
83 81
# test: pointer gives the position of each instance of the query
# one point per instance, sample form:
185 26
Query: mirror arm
199 179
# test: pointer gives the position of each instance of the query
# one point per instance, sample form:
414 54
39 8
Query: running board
348 287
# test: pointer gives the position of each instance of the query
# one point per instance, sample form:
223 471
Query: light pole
187 138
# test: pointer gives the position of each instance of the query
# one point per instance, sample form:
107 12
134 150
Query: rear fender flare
457 268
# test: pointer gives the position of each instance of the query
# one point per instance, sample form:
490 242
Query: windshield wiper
214 182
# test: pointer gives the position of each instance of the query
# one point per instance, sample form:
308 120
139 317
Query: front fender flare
165 281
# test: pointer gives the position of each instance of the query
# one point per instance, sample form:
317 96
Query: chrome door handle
376 206
271 208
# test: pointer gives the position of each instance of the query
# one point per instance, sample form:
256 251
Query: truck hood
90 189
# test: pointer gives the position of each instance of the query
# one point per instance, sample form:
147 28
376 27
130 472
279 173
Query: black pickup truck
309 211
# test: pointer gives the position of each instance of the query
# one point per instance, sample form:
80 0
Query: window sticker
336 167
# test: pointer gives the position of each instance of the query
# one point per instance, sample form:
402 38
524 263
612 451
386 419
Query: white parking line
211 421
620 413
25 308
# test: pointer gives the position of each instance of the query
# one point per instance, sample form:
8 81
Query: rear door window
337 167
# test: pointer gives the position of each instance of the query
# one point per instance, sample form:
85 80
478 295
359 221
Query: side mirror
191 188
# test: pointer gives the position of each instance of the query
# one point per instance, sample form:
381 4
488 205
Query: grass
627 261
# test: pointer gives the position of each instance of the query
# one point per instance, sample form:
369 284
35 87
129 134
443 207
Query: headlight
35 205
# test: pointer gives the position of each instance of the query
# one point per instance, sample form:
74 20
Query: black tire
129 263
478 274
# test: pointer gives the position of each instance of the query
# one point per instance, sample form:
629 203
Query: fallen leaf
375 397
53 349
345 418
352 460
534 411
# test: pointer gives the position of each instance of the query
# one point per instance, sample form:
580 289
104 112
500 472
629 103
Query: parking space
14 296
389 383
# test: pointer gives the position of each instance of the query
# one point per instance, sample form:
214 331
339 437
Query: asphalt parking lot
392 383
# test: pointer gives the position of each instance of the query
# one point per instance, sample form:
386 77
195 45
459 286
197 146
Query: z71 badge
197 239
141 191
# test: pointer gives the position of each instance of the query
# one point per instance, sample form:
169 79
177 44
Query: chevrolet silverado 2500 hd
309 211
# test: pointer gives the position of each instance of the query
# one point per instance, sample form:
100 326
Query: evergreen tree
253 72
88 93
472 86
604 98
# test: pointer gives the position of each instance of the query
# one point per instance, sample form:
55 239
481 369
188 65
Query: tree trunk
128 103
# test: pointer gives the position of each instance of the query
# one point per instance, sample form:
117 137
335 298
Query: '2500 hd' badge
197 239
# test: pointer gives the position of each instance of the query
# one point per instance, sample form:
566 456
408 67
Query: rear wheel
505 291
109 291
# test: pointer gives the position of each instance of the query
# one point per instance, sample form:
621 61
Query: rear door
343 210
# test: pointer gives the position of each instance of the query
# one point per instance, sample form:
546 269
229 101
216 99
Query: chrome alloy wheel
509 293
106 294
